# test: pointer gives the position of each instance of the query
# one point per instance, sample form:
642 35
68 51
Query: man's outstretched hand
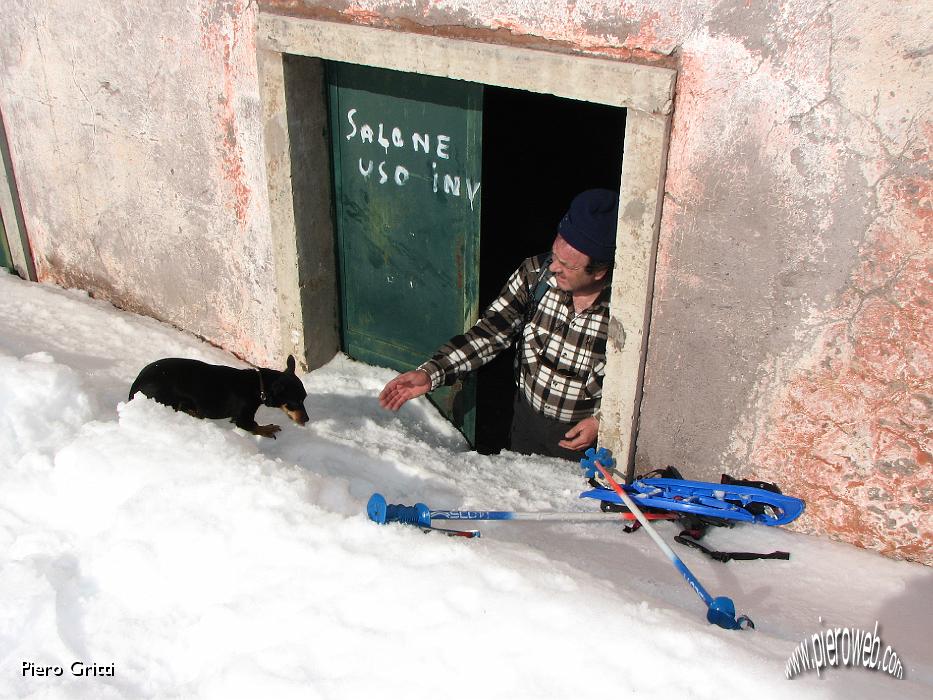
583 434
404 387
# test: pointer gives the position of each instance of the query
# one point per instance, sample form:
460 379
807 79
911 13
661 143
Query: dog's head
286 391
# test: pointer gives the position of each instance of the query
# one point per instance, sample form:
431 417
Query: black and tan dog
214 391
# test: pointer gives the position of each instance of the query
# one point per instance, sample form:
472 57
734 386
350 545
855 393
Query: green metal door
407 167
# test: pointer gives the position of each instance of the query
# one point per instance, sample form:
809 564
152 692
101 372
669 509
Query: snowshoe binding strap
668 472
766 485
688 538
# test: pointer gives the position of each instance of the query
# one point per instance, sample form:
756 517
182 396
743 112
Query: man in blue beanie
556 306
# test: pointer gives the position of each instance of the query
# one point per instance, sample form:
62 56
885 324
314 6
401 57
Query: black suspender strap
540 288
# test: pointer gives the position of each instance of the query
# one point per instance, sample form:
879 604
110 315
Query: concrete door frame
12 212
306 271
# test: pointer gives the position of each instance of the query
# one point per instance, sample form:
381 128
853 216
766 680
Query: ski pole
419 514
514 515
720 610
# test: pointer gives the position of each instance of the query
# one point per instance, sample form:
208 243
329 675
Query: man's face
569 267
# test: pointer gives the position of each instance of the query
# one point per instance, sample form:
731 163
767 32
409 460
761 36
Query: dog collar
262 387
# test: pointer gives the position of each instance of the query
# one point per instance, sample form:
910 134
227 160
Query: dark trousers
535 434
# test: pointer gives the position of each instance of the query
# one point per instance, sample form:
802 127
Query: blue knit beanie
590 224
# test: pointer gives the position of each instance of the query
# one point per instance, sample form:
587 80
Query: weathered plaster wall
843 408
790 334
794 280
135 131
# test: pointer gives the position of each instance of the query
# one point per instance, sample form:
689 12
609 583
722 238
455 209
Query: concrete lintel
641 197
616 83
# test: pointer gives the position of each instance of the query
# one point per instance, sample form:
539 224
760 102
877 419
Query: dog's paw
267 430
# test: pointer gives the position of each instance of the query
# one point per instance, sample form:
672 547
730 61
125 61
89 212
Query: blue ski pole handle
418 515
382 512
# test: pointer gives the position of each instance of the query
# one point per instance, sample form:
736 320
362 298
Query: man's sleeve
495 331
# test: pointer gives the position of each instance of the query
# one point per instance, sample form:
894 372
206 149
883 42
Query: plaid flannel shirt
561 355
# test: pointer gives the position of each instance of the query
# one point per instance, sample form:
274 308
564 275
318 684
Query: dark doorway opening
538 152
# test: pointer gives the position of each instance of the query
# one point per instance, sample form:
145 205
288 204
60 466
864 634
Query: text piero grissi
79 669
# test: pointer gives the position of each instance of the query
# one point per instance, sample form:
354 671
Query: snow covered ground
198 561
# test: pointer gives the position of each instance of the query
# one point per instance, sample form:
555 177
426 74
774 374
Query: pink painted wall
790 335
135 134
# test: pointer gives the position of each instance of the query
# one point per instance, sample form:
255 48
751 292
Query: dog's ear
290 365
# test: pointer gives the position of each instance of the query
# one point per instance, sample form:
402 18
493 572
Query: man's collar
603 299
